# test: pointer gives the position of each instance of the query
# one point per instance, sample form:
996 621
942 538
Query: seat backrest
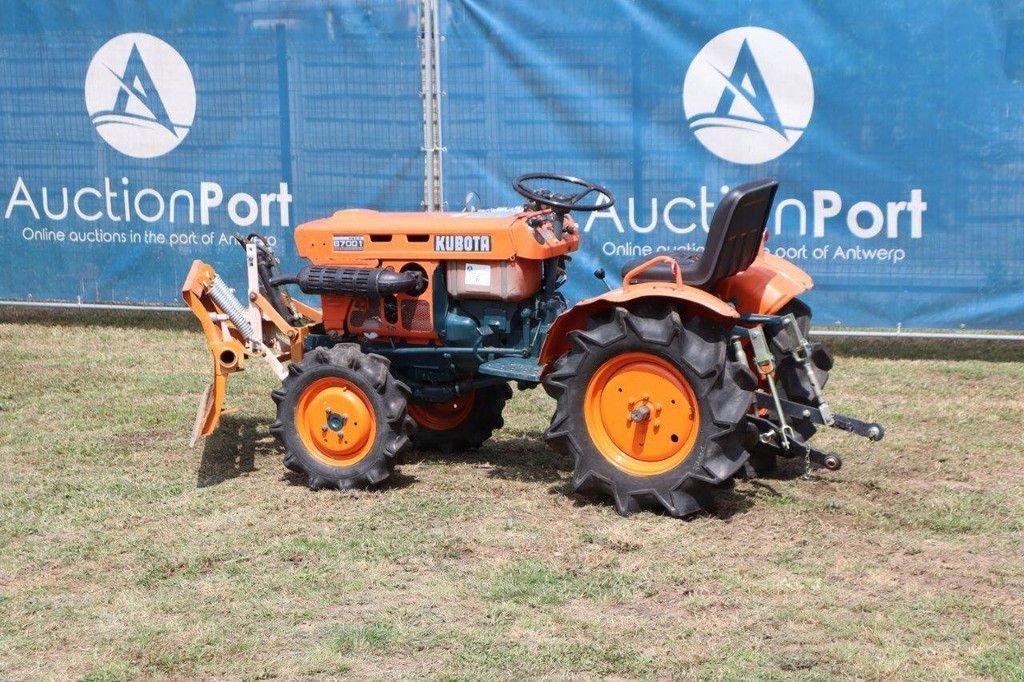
735 233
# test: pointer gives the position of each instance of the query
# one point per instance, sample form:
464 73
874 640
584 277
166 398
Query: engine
471 279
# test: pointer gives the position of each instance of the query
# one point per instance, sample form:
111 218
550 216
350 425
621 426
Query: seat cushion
662 272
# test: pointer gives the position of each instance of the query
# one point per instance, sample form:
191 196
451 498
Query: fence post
430 89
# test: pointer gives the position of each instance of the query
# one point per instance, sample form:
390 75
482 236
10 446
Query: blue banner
135 137
894 128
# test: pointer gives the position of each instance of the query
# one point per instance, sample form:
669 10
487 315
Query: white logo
462 242
140 95
748 95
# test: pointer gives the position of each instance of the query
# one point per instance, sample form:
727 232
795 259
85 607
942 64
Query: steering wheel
563 203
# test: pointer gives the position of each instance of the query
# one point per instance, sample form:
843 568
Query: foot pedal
518 369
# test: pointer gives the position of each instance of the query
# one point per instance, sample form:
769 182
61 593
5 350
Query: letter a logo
140 95
146 93
748 95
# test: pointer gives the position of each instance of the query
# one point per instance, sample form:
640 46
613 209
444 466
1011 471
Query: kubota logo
140 95
748 95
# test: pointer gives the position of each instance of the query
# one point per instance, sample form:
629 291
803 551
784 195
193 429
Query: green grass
536 583
1002 662
124 554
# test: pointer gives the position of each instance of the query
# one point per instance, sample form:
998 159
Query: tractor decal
478 243
348 242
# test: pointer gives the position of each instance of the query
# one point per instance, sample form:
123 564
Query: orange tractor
696 369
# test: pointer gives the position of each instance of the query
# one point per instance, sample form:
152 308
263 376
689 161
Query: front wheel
651 408
342 418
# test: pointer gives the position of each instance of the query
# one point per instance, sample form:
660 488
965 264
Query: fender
766 286
556 342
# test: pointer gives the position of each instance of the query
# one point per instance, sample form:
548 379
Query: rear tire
341 417
460 424
794 382
678 370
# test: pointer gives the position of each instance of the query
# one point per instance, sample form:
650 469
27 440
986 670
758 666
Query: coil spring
221 293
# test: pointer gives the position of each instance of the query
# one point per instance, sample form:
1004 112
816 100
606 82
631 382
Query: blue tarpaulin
135 137
896 130
299 109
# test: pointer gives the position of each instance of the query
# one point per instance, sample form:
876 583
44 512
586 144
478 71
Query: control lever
556 222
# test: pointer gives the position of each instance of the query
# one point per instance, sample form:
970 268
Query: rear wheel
793 381
650 407
342 418
462 423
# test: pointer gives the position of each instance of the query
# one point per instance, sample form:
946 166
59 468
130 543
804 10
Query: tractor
696 369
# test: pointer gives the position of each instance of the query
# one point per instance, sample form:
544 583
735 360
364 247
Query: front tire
341 417
651 408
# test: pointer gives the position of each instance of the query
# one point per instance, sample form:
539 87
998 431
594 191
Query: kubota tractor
696 369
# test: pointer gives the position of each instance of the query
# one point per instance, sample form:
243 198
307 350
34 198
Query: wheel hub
335 421
641 413
444 415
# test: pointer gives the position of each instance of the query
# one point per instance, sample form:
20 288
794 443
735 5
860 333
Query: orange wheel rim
641 414
335 421
445 415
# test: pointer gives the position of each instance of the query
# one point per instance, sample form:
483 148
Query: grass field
124 554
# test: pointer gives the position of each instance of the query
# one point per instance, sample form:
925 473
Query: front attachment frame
236 331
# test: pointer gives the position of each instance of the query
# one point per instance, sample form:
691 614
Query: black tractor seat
734 240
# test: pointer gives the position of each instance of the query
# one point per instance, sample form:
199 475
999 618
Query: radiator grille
416 315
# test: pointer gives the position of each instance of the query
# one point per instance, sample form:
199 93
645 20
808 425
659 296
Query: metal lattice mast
430 91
